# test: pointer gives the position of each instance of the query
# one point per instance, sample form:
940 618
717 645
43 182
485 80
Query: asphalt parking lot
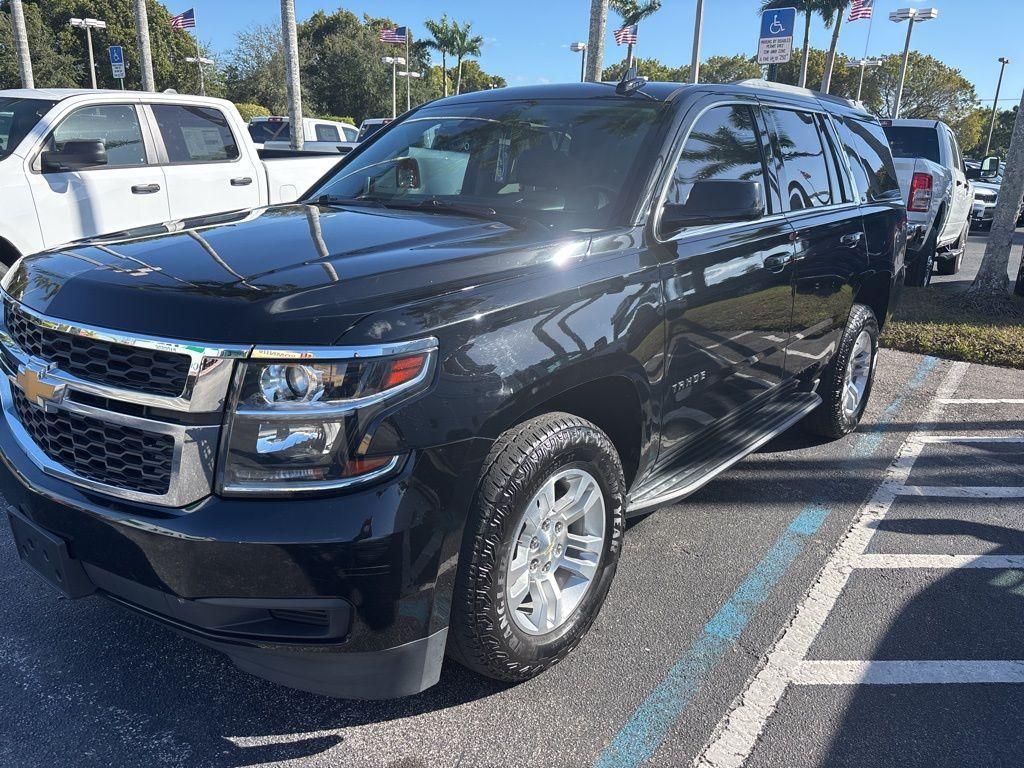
704 598
972 261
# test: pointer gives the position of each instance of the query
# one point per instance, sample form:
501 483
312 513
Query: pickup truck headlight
301 421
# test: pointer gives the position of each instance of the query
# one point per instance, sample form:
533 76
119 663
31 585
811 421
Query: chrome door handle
779 262
145 189
851 239
241 181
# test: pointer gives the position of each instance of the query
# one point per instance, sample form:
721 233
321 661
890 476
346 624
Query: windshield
265 131
17 118
566 163
914 142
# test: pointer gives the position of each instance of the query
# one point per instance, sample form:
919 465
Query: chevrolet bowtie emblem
40 392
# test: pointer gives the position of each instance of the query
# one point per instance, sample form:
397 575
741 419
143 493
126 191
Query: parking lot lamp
408 87
864 64
911 15
89 25
1003 61
394 61
581 48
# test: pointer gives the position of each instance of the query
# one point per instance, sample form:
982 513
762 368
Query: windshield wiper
479 211
342 201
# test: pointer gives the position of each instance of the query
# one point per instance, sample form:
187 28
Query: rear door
831 252
727 287
204 165
129 191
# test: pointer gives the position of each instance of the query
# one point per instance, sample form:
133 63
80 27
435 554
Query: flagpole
199 62
871 21
408 77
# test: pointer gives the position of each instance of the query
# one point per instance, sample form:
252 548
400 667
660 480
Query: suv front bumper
343 595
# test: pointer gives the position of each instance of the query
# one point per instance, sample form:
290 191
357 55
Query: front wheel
846 384
541 547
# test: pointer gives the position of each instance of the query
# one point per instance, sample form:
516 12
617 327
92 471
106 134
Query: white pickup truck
939 196
318 135
78 163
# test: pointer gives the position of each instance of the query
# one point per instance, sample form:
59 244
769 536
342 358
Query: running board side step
710 457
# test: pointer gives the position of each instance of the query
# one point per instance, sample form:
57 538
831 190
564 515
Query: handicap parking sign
776 43
117 61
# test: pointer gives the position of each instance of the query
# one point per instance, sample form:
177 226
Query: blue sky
527 40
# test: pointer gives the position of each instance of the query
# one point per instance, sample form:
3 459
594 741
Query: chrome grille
108 453
118 365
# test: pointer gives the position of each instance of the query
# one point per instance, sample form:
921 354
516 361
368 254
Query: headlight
302 421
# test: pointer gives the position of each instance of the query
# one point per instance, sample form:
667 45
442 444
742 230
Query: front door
831 249
129 191
728 292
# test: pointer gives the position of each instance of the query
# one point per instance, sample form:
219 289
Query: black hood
293 274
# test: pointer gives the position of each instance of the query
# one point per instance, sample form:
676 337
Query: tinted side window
116 125
911 141
841 191
723 144
327 133
958 159
351 134
804 157
195 134
868 149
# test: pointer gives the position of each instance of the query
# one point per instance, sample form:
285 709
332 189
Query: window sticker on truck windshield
501 165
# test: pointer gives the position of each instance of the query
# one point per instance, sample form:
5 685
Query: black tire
919 271
482 634
952 266
829 419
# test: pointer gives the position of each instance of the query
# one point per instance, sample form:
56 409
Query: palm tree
633 12
832 11
595 39
808 8
464 44
291 60
442 40
21 44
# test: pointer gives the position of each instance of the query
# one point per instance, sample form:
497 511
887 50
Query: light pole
698 30
864 64
394 61
912 15
408 90
89 25
1003 61
581 48
201 61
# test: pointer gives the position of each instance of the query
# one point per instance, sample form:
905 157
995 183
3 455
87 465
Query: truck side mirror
74 156
990 167
714 201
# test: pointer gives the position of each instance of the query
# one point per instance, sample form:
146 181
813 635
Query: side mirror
715 201
74 156
407 173
990 167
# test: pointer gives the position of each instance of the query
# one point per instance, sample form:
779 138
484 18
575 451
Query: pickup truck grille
117 365
115 455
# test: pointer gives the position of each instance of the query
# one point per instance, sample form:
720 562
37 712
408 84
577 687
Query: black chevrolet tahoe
409 415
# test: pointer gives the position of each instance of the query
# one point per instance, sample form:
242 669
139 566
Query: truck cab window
195 134
723 145
116 125
799 144
327 133
17 118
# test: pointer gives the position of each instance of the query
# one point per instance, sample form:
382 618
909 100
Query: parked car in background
79 163
939 196
987 179
317 135
371 125
411 414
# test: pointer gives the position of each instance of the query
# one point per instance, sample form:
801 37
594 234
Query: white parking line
907 672
740 729
963 491
980 401
931 439
895 562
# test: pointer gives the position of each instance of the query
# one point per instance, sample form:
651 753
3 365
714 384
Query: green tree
1000 135
832 13
60 57
728 69
933 90
475 79
442 40
249 111
652 69
254 72
464 44
633 12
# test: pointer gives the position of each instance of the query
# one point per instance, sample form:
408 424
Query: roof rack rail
795 89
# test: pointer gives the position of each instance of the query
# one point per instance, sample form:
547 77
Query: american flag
186 20
861 9
626 35
397 35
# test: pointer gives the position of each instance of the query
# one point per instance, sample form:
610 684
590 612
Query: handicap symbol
776 26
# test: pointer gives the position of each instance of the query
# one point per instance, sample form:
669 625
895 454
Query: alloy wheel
858 374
